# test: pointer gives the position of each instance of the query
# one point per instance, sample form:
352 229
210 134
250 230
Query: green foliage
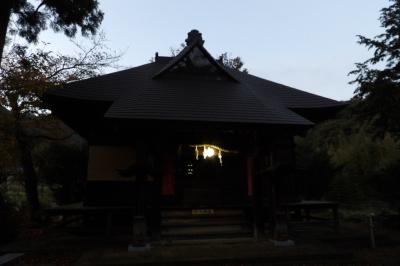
352 163
361 155
361 148
315 166
28 18
61 15
62 167
313 153
378 78
25 76
13 191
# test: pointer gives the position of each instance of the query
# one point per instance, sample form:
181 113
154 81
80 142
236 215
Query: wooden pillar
139 226
249 174
271 190
256 190
273 205
168 175
250 190
278 215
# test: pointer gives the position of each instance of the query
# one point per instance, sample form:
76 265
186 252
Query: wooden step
234 239
191 224
201 213
202 221
206 230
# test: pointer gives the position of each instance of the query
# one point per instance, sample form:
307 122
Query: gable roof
186 52
147 92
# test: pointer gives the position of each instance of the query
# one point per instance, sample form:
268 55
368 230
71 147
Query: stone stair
184 224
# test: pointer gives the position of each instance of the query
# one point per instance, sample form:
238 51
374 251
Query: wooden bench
80 210
308 206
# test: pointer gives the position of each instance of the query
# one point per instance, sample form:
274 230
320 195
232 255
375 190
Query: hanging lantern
209 151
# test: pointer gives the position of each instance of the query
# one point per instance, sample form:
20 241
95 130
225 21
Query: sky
309 44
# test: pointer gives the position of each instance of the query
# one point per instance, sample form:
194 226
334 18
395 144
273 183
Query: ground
315 244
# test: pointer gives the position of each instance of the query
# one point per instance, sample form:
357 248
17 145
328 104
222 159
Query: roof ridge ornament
194 36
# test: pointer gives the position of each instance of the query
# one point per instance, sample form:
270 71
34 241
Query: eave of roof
144 93
227 102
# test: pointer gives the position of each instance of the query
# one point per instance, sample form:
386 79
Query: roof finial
194 36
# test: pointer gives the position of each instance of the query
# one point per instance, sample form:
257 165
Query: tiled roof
145 92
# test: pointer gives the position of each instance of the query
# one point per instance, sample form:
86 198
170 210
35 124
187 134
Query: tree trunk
5 13
31 183
2 203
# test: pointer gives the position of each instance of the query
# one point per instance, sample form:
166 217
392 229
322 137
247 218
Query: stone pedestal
281 231
139 231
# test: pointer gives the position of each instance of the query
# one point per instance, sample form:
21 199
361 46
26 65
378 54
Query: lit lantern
210 151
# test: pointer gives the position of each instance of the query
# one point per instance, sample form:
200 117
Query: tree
24 76
232 62
359 150
61 15
378 78
175 51
345 161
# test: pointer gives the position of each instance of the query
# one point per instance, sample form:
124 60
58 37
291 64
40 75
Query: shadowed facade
185 141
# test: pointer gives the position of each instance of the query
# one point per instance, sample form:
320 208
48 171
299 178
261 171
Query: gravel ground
314 245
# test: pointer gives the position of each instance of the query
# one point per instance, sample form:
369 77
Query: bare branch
39 6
